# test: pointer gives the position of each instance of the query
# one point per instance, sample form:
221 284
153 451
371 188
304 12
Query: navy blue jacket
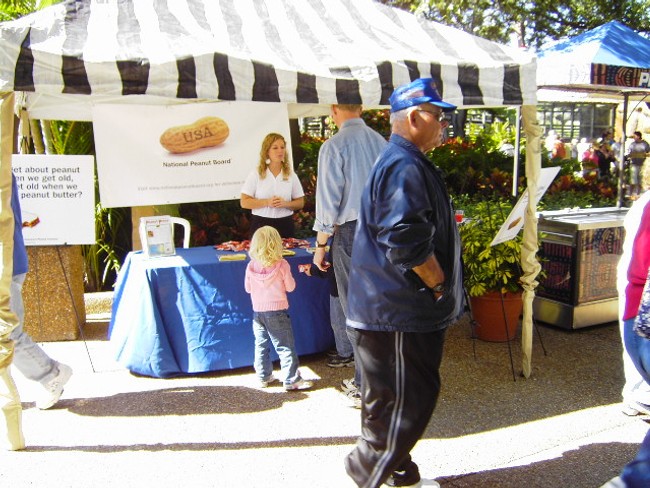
406 215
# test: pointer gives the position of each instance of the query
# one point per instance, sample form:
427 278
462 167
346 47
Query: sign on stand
515 220
57 198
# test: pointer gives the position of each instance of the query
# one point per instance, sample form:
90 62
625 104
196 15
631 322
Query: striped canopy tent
305 53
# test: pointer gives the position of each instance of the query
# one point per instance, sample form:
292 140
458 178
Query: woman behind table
268 279
272 191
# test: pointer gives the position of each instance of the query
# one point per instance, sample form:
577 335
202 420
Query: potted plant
491 273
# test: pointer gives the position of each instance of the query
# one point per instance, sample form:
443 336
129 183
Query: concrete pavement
562 427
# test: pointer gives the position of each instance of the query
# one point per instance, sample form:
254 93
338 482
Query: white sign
57 198
154 155
515 220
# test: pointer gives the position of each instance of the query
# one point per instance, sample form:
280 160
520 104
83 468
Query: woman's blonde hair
264 154
266 246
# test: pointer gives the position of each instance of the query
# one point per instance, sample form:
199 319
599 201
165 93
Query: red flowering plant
215 222
467 164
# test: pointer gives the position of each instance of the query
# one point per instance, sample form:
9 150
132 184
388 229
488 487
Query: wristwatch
318 244
439 288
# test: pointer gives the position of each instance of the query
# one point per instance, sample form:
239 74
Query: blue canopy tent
608 62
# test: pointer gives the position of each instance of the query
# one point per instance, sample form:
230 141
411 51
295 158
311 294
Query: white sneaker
268 382
349 385
299 385
55 387
614 483
355 398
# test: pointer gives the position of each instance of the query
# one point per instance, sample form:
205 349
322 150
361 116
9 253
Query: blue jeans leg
341 258
262 363
278 326
337 319
637 472
29 357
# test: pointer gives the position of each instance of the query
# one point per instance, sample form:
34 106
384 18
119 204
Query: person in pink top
268 279
632 272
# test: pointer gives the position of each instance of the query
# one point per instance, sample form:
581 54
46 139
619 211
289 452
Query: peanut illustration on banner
205 132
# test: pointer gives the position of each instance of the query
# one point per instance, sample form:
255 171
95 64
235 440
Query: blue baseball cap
417 92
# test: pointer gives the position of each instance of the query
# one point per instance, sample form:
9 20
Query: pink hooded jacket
269 286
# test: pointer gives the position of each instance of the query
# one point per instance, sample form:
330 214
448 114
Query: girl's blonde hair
264 154
266 246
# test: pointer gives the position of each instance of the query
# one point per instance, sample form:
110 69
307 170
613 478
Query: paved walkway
561 428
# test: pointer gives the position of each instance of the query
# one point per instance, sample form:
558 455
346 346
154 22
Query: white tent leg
515 163
529 263
9 398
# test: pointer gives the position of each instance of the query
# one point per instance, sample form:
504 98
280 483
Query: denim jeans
337 319
341 258
29 358
274 328
637 472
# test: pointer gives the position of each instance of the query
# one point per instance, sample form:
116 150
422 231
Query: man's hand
319 259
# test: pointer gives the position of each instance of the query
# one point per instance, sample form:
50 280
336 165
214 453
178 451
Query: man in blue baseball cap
405 289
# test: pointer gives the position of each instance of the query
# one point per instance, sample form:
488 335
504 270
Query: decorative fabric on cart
642 321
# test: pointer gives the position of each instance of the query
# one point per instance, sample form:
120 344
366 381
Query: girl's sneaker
268 381
299 385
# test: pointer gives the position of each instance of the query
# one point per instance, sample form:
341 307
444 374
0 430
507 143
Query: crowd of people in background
600 157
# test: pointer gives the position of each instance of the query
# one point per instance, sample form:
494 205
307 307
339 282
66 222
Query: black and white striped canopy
293 51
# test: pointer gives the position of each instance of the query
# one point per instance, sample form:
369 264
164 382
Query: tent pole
12 434
515 163
529 262
621 156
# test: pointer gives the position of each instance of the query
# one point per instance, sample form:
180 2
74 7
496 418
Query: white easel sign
57 198
515 220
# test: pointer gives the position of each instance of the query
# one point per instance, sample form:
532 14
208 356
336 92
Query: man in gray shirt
344 162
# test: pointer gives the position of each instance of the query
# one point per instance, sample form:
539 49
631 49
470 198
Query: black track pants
401 382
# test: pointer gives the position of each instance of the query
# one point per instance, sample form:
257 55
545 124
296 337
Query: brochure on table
156 236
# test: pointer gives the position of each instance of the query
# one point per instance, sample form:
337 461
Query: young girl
268 279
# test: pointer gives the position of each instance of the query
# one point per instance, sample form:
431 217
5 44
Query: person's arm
249 189
319 252
250 203
401 208
289 281
431 273
297 196
295 204
329 194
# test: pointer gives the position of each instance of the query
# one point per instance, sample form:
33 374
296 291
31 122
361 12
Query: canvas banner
197 152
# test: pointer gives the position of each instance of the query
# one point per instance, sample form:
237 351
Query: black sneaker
332 353
341 362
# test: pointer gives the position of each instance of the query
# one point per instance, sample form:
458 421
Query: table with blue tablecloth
189 313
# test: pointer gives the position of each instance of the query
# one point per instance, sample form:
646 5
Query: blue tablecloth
189 313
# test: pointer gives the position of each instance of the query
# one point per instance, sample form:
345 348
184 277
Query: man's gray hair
399 116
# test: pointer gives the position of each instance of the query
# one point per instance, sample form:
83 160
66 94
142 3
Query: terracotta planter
489 315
